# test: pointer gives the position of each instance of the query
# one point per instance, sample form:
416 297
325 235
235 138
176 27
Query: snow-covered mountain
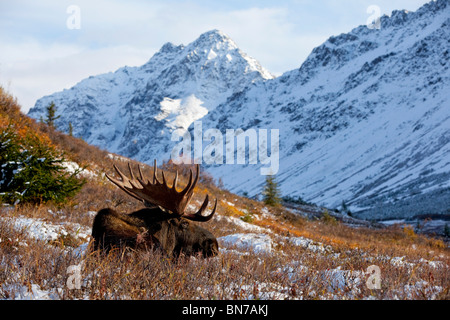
365 119
134 110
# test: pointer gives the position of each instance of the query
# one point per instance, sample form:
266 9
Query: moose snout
211 248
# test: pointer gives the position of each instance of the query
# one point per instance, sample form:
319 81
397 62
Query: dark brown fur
152 228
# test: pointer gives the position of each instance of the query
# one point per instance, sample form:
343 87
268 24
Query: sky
46 46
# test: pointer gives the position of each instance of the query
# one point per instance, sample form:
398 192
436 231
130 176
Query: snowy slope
365 119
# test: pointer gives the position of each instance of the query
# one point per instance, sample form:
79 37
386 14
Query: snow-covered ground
248 239
46 231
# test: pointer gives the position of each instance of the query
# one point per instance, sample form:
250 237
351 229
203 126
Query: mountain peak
214 39
177 86
169 47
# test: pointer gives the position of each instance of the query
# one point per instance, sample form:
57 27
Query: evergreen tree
31 171
70 129
51 111
271 192
446 230
345 209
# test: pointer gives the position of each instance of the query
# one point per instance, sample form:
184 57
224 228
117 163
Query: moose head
164 222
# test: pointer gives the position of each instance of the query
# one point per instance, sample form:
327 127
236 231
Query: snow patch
258 243
34 292
243 225
181 113
41 230
211 55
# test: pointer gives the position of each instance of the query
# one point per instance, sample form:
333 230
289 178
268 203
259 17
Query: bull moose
163 224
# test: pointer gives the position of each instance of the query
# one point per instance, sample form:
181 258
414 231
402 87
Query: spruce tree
271 192
70 129
31 171
51 111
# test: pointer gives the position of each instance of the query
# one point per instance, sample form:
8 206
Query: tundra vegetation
277 254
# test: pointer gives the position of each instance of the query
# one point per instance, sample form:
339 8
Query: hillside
265 252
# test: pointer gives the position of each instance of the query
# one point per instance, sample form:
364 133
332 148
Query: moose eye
184 224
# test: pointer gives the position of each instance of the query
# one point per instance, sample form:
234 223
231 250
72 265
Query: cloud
56 67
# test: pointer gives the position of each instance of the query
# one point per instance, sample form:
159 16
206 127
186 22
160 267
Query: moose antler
160 194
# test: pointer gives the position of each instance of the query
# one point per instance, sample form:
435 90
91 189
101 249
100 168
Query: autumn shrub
327 218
